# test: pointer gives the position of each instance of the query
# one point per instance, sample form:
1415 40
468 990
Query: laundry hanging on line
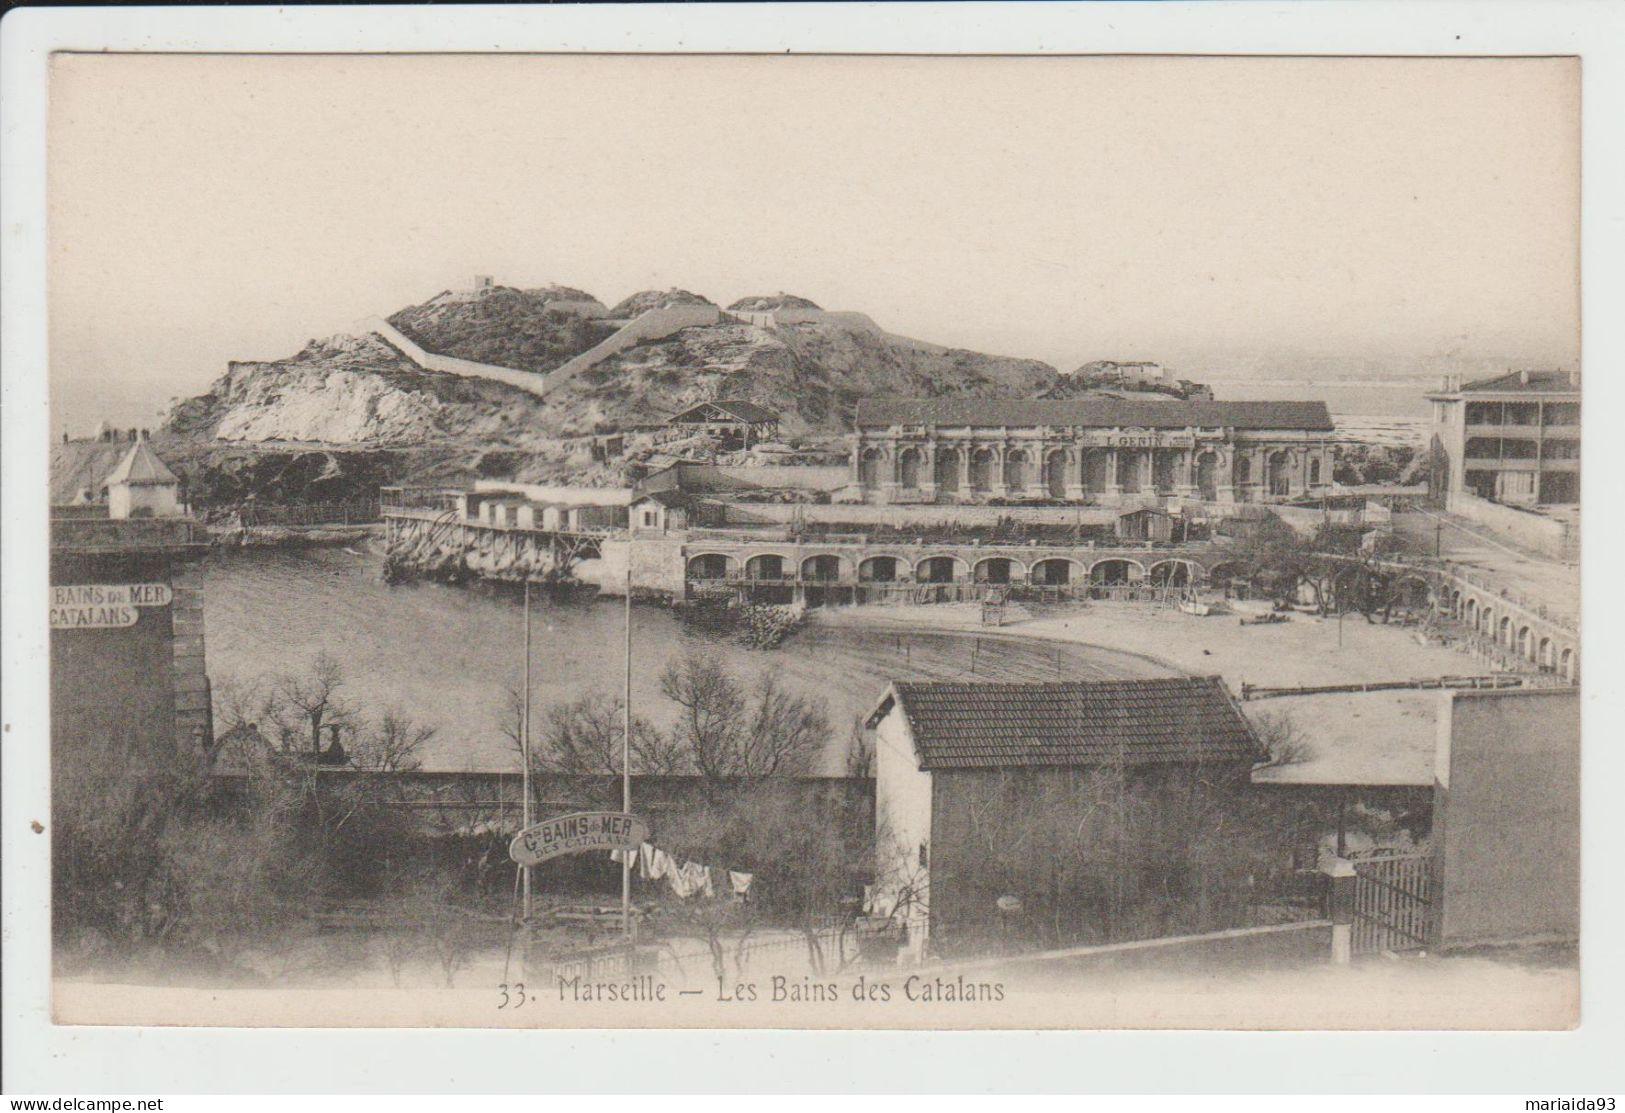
686 880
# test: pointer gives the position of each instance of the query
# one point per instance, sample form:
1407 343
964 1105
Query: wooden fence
1393 904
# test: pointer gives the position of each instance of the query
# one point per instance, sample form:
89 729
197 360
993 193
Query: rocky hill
346 398
362 391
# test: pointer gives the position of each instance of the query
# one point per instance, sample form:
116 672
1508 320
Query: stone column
965 451
928 471
1001 456
1343 881
888 473
1113 486
1185 474
1074 475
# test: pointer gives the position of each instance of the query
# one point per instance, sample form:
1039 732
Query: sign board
104 606
576 832
1140 440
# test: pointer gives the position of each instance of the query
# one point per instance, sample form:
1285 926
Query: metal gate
1393 903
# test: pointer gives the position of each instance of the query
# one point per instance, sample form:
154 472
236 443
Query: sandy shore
1304 650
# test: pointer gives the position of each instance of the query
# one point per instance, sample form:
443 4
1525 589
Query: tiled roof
1138 722
738 407
141 468
1529 382
1094 412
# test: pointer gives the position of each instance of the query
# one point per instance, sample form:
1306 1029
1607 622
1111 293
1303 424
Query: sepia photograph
618 541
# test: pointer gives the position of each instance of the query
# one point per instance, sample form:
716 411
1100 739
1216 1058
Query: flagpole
626 751
524 745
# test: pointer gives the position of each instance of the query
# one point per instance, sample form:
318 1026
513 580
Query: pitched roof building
955 725
725 411
976 782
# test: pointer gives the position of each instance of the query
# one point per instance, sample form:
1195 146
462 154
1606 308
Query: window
649 517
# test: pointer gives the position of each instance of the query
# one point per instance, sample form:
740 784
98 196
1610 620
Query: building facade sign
104 606
576 832
1139 440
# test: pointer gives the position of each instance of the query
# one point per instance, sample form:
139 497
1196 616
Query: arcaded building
1089 450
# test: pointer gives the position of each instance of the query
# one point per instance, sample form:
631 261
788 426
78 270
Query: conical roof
141 468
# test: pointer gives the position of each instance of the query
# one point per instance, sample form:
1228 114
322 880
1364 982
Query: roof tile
1094 413
1180 719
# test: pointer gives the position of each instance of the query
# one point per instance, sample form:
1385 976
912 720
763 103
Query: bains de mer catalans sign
104 606
576 832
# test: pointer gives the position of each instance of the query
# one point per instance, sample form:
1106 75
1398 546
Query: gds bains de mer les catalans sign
104 606
576 832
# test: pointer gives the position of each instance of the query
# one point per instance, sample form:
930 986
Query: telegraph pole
524 752
626 751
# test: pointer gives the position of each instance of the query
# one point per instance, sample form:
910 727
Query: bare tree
444 924
728 731
584 735
1285 740
305 703
784 733
392 745
712 709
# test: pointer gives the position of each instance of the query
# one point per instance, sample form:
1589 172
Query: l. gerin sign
104 606
576 832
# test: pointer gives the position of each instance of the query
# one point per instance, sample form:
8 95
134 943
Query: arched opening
1095 470
878 570
1486 623
909 465
1526 647
870 466
1455 605
937 570
824 568
981 470
1471 614
1314 471
709 566
1113 572
1241 473
1015 472
1162 472
994 570
1053 572
1207 476
947 470
765 566
1170 573
1544 656
1279 473
1228 574
1055 475
1128 472
1504 636
1565 664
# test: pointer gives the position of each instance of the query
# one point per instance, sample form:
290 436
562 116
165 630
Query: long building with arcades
1089 450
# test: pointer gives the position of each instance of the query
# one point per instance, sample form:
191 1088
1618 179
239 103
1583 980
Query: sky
1265 218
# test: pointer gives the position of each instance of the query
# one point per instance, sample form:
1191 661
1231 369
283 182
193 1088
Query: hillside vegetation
507 327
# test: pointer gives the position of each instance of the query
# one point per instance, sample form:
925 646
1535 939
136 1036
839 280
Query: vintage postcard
655 541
